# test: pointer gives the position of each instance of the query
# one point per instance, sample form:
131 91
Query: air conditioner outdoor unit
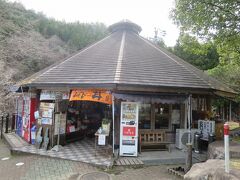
182 137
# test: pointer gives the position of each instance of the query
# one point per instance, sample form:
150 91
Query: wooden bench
153 138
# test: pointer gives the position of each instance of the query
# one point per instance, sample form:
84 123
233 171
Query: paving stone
43 168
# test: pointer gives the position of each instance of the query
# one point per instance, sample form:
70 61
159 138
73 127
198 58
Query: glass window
145 116
162 116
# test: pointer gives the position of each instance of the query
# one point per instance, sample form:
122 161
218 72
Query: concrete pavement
45 168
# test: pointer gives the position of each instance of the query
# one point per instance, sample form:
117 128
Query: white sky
146 13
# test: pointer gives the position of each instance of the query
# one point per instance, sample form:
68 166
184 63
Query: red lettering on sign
129 131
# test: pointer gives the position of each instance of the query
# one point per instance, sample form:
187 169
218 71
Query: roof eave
132 87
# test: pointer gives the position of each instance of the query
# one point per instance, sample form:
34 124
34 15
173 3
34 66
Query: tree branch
220 7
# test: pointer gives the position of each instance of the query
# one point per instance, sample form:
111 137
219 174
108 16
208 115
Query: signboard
60 119
129 129
51 95
206 127
101 139
102 96
46 113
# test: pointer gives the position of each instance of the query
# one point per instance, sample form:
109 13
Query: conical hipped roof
125 58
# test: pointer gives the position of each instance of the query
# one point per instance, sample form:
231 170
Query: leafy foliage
30 41
202 55
219 21
208 17
77 34
15 18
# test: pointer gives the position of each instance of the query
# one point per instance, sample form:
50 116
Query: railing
235 116
5 122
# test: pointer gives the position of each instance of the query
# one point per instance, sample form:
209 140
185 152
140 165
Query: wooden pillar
189 157
208 103
182 115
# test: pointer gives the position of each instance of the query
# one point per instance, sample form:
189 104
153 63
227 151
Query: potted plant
106 124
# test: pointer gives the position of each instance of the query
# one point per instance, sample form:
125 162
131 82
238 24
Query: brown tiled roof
126 58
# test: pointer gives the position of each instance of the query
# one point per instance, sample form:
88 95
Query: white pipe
226 145
113 139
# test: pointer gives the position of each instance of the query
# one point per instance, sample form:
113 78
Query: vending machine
129 129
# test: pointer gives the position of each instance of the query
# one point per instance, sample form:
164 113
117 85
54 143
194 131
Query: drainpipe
113 139
189 144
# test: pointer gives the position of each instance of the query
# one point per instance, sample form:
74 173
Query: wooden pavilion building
122 67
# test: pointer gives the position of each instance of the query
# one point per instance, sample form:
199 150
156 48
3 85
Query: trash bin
197 137
33 134
211 138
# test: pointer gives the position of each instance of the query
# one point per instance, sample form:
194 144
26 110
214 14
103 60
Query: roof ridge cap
120 58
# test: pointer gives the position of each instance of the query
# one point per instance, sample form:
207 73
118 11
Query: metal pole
58 123
189 144
226 146
58 97
230 111
189 117
113 139
7 119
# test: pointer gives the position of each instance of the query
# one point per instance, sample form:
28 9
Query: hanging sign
91 95
51 95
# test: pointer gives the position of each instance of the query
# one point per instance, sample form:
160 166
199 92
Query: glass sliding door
145 116
162 116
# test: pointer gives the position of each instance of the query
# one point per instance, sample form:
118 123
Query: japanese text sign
91 95
129 131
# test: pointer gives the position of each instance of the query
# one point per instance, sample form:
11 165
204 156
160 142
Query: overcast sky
146 13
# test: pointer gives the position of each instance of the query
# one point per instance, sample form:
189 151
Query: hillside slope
30 42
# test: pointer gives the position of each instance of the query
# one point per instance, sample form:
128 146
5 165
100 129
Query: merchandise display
85 118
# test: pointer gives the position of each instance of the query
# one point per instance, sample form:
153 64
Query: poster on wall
46 112
60 119
129 129
19 116
26 118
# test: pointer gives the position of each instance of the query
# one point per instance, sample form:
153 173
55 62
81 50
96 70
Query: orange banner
102 96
